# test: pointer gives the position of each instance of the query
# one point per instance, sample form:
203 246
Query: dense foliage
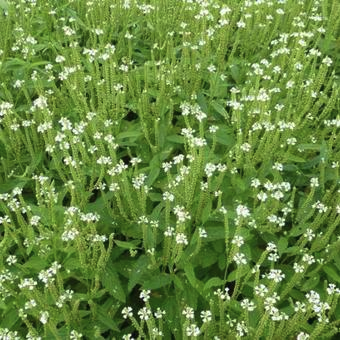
169 169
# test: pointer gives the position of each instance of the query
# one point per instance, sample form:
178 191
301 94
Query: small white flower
238 240
18 84
298 268
159 313
248 305
261 290
138 181
262 196
197 142
320 206
188 312
223 210
273 257
145 295
332 289
309 234
240 259
276 275
209 169
291 141
300 307
169 231
278 166
290 84
241 328
98 31
223 295
242 211
181 239
30 304
218 193
302 336
128 337
211 68
245 147
144 313
74 335
166 166
127 312
314 182
298 66
327 61
181 214
114 187
68 31
167 196
193 331
255 183
271 246
202 233
241 24
213 128
309 259
206 316
44 317
11 259
59 59
178 159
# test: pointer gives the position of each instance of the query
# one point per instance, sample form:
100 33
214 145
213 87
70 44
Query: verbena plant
169 169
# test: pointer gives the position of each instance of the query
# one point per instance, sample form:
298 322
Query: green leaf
130 134
315 147
158 281
72 263
313 162
138 271
177 282
127 245
206 212
172 316
332 272
239 272
219 109
111 282
237 71
213 282
13 183
155 196
239 184
297 230
175 139
296 294
36 263
37 64
215 232
293 249
225 136
282 245
13 64
46 214
105 319
4 4
202 101
293 158
191 276
10 318
207 257
153 174
311 283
